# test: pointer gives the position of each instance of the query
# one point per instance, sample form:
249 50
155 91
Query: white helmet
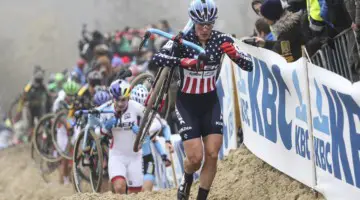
139 94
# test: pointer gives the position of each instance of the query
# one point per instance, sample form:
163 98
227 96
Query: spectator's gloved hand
355 27
259 42
135 129
165 159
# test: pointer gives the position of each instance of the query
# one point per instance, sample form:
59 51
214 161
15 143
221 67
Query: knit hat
256 2
272 9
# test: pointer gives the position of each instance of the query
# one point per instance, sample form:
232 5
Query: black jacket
289 36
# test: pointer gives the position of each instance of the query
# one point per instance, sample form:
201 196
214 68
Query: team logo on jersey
125 125
127 116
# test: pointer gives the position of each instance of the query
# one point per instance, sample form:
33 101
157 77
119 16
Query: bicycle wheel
62 142
87 175
144 78
154 100
42 140
14 114
81 174
147 80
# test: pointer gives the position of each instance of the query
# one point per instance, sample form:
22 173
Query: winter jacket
353 7
289 37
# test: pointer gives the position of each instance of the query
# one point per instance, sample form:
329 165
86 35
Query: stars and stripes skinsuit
197 106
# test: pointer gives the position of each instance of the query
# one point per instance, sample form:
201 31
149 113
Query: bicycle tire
77 174
140 78
54 132
157 91
13 106
38 149
99 167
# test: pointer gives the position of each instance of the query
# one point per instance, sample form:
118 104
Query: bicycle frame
87 127
160 99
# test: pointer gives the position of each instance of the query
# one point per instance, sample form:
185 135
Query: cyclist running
66 96
36 97
197 107
139 94
56 85
87 92
125 165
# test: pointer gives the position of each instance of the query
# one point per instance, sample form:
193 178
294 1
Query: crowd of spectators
286 26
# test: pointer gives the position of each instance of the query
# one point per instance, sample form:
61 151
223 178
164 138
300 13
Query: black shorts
149 165
35 113
198 115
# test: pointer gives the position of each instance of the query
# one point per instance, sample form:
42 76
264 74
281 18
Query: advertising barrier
225 91
303 120
275 113
335 108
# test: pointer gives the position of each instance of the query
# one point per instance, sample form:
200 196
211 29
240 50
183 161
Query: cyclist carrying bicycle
84 99
125 165
197 107
66 97
139 94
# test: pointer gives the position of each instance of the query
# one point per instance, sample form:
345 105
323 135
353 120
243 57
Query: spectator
263 30
123 43
79 71
165 26
256 4
286 29
353 7
103 62
294 5
116 61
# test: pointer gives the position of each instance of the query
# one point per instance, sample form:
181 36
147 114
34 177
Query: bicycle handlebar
202 54
81 112
171 37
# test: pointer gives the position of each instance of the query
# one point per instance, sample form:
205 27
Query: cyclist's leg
190 135
189 131
62 138
135 175
212 139
117 173
149 173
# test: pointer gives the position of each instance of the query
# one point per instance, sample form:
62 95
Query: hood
286 22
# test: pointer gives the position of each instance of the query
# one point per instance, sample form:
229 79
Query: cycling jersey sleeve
159 148
58 101
243 61
163 58
166 131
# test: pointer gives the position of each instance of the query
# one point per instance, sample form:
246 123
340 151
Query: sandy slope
240 176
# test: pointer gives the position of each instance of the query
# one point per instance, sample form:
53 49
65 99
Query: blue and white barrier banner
225 91
275 115
335 109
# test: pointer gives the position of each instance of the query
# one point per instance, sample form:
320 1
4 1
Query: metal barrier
337 59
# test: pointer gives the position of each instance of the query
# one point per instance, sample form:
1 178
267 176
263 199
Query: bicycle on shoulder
160 88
